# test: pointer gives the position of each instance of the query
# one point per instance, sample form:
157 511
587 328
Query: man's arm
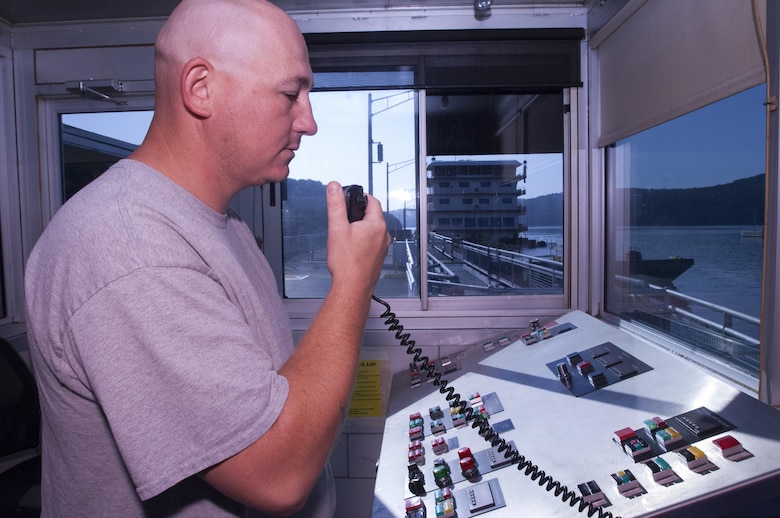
276 473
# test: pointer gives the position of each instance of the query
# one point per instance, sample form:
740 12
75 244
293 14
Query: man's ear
196 87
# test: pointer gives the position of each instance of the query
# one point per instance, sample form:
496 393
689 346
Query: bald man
169 382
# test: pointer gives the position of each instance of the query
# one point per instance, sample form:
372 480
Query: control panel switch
574 358
437 427
442 494
464 452
447 365
416 433
468 466
627 485
668 438
696 460
598 379
445 509
632 444
654 425
441 475
415 508
564 376
416 481
662 472
439 446
585 367
458 420
416 457
592 494
415 379
530 338
731 449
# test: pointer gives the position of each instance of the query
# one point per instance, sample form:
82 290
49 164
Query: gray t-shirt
156 333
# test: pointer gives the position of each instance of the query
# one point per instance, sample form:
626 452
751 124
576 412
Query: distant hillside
545 211
306 213
737 203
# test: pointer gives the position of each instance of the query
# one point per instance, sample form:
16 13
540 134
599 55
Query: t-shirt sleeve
182 379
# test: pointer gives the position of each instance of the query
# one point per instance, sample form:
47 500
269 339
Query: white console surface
571 438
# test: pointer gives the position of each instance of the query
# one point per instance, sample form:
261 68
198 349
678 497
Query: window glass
363 138
495 194
685 228
92 142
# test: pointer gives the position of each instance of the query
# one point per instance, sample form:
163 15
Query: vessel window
685 229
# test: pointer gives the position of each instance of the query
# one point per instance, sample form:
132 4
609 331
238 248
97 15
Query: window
512 147
463 231
10 249
351 128
490 115
685 228
92 142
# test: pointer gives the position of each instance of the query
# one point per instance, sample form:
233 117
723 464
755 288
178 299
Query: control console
574 418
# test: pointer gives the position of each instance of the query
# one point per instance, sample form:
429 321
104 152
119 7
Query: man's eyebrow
298 82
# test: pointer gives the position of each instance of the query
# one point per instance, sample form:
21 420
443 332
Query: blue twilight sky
711 146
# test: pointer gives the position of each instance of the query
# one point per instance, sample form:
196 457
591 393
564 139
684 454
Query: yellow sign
367 395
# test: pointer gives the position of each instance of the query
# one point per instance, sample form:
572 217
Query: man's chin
279 174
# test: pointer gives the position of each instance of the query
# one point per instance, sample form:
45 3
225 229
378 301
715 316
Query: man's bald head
232 97
228 33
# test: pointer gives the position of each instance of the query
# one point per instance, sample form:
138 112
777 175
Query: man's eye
292 96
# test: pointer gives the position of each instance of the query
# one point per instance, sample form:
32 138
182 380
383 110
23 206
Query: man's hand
356 251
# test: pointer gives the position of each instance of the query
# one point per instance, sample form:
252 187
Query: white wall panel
99 63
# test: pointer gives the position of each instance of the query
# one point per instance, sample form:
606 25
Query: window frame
12 268
613 206
484 312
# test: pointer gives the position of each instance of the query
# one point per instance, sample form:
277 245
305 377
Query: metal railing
306 245
672 302
517 270
504 267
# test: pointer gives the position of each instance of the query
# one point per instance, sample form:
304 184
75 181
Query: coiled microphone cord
524 465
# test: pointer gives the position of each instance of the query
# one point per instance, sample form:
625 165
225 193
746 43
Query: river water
727 269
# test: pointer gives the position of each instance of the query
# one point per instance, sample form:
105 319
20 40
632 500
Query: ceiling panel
40 11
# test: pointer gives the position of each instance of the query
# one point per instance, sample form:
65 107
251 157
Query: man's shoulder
123 220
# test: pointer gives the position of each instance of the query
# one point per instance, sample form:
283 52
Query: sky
711 146
715 145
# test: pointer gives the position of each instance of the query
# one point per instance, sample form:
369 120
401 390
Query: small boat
753 233
657 271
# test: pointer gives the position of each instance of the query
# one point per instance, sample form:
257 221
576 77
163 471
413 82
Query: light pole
409 95
404 195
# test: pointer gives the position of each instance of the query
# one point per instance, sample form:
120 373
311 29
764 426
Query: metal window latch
101 90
